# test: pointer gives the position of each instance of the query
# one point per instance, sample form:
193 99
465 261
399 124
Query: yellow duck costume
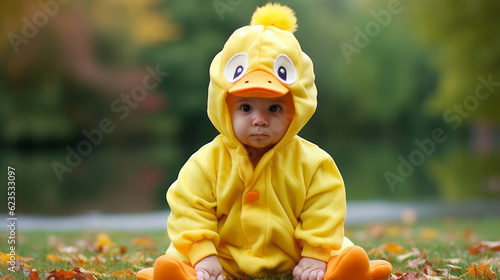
261 220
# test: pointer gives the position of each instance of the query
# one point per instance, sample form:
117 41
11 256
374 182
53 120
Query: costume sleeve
192 224
321 223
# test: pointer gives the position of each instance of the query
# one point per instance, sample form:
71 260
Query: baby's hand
209 268
309 269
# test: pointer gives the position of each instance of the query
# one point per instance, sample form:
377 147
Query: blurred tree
466 53
61 70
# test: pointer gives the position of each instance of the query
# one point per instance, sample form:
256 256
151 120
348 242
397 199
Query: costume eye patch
284 69
236 67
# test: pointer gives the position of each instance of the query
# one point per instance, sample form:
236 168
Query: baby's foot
209 268
310 269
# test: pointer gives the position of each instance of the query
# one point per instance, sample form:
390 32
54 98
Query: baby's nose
260 119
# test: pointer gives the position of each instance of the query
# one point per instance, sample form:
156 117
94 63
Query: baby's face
260 122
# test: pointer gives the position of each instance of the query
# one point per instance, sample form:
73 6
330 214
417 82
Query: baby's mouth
259 135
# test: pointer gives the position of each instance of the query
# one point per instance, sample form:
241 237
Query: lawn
440 249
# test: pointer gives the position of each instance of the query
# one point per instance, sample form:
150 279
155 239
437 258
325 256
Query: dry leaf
80 261
103 242
34 275
7 277
82 274
453 261
123 273
484 246
429 234
406 256
6 258
454 267
393 248
482 270
404 276
143 241
60 275
53 258
67 250
416 262
98 259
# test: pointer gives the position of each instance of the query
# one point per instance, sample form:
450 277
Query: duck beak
258 83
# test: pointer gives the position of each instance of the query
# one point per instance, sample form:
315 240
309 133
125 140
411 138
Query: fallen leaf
6 258
484 246
7 277
416 262
393 248
60 275
406 256
103 242
67 250
80 261
453 261
454 267
82 274
429 234
34 275
53 258
143 241
98 259
123 273
404 276
427 269
482 270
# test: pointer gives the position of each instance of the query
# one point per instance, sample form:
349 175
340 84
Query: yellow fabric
301 206
277 15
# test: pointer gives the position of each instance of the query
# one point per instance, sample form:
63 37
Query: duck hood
267 47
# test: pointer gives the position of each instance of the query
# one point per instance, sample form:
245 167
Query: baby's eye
274 108
246 108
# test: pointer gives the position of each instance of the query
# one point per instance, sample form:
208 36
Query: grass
440 242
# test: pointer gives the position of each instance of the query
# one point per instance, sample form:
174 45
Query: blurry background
85 133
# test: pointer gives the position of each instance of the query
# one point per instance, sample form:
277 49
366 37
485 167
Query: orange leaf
79 261
484 246
143 241
103 242
481 270
123 273
34 275
6 258
82 274
60 275
394 248
7 277
53 258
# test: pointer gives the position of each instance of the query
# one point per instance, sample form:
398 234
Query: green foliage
463 36
372 105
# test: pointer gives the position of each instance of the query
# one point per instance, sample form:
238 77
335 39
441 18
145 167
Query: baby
259 200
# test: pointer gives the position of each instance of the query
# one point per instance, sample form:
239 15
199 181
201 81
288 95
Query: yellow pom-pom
276 15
